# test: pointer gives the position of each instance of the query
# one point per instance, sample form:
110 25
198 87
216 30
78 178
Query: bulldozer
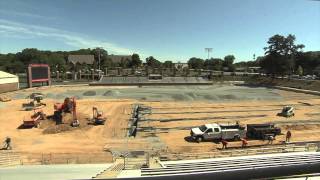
68 106
287 111
35 102
97 117
35 119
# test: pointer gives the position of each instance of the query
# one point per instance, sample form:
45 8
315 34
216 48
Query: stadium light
208 50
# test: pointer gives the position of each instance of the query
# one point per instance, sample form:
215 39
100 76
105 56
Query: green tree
228 62
196 63
168 64
280 54
213 64
98 53
135 60
152 62
308 61
29 55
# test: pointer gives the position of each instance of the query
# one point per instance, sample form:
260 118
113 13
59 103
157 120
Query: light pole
99 59
208 50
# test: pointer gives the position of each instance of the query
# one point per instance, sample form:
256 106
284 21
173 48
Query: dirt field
171 130
166 131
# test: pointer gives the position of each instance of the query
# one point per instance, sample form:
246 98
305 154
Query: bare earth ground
91 140
81 141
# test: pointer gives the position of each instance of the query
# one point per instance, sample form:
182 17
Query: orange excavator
68 106
97 118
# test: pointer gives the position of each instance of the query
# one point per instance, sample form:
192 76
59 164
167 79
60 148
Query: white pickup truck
217 132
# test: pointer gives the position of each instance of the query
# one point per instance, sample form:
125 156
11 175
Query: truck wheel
199 139
236 138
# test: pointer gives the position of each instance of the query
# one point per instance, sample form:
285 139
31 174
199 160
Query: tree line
282 56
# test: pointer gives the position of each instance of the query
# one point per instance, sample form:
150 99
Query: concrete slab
52 172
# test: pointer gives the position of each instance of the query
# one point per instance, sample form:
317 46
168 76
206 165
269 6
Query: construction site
135 127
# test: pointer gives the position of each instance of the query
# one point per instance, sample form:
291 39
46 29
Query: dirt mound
300 84
210 97
299 127
227 96
50 126
181 97
111 93
90 93
57 129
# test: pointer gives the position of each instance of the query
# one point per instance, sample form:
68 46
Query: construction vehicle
35 119
35 102
97 117
68 106
218 132
262 131
287 111
233 132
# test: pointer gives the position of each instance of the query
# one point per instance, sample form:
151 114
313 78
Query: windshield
203 128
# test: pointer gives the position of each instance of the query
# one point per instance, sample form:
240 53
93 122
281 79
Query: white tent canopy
7 78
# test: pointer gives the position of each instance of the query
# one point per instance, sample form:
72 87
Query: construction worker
244 142
224 144
270 139
288 136
7 143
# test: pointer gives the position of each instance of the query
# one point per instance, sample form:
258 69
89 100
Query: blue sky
167 29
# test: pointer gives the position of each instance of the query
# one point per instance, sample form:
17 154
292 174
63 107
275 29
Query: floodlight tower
208 50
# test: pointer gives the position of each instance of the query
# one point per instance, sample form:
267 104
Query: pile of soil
299 127
89 93
57 129
300 84
111 93
50 127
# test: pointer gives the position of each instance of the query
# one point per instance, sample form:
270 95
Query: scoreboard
38 73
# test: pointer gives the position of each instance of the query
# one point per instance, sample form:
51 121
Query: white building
8 82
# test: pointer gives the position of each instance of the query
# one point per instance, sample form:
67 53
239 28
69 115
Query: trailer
35 119
262 131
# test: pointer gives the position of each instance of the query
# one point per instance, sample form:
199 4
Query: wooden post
92 74
49 76
29 76
58 75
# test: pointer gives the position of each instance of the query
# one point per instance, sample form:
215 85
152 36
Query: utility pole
99 59
208 50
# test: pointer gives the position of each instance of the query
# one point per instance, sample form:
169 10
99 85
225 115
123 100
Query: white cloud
15 29
24 14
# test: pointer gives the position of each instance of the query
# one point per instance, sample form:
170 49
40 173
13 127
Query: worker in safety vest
224 144
288 136
244 142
